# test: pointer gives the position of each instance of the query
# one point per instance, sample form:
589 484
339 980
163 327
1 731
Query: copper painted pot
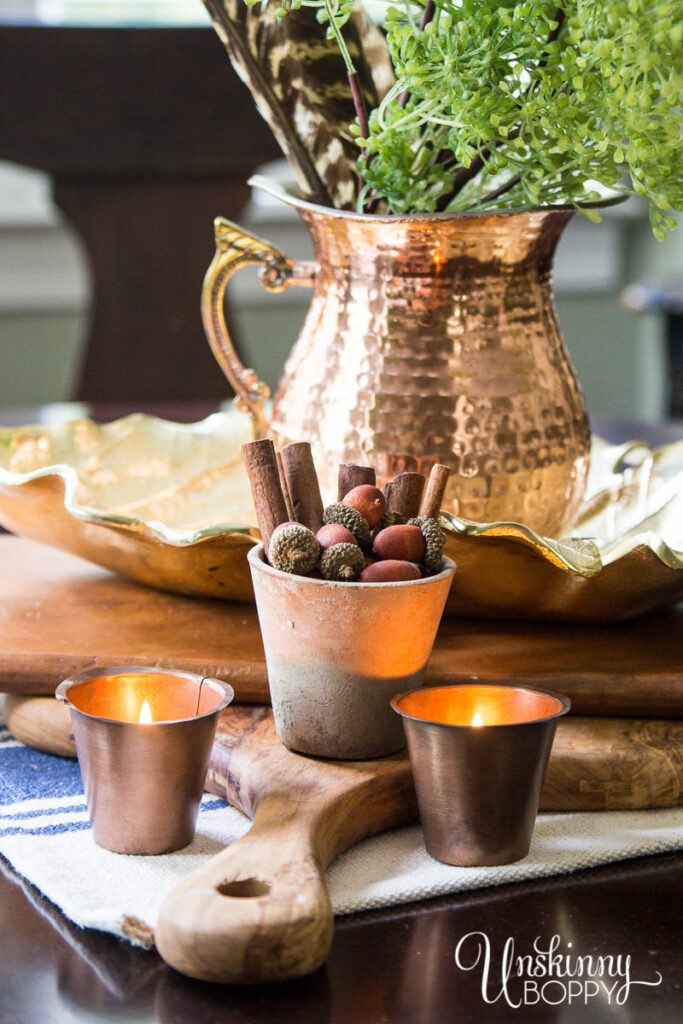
429 338
336 653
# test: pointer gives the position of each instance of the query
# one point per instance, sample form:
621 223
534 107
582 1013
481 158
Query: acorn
293 548
334 533
352 520
404 543
389 519
370 502
391 570
342 562
434 537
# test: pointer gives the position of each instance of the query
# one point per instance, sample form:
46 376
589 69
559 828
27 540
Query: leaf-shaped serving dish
165 504
168 504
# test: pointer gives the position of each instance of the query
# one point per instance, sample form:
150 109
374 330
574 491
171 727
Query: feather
298 80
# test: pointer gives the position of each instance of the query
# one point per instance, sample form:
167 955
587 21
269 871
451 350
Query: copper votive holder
479 754
143 738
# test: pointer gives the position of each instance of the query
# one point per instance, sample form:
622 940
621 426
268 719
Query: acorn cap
435 538
352 520
294 548
342 562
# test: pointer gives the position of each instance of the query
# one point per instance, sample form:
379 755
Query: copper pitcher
430 338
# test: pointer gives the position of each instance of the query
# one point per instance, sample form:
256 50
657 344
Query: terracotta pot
429 338
336 654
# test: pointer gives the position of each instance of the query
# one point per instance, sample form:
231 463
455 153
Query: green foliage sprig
501 104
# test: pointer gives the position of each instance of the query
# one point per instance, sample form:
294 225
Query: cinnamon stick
302 483
285 486
436 488
266 490
351 475
405 493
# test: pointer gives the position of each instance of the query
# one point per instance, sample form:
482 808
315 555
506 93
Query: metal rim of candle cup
478 786
110 671
257 556
564 702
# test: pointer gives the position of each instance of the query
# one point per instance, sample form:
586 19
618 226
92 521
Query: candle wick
199 695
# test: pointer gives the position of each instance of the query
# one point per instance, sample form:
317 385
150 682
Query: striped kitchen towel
45 835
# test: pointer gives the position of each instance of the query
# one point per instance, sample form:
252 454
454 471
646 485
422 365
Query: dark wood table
395 966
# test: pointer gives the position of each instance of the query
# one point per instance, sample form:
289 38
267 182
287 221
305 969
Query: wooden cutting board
259 910
59 614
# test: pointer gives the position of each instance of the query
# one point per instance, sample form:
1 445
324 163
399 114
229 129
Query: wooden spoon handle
258 911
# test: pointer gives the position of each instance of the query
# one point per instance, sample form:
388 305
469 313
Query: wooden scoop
259 911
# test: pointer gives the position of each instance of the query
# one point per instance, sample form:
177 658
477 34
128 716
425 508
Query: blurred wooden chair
148 134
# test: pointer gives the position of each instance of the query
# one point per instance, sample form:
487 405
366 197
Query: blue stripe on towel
27 774
45 830
52 809
206 805
211 805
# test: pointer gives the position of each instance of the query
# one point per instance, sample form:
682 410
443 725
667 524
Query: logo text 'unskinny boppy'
551 973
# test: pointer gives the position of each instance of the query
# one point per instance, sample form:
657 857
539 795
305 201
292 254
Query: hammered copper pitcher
429 338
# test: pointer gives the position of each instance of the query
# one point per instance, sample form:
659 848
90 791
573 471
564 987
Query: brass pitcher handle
237 248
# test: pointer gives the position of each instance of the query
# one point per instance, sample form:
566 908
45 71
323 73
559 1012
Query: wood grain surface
59 614
596 763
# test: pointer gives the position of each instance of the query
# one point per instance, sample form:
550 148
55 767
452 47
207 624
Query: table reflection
395 965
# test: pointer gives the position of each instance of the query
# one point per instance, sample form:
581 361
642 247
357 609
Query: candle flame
477 721
145 713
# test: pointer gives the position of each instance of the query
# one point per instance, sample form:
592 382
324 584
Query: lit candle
478 788
143 771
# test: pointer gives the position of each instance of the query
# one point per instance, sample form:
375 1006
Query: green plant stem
351 73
